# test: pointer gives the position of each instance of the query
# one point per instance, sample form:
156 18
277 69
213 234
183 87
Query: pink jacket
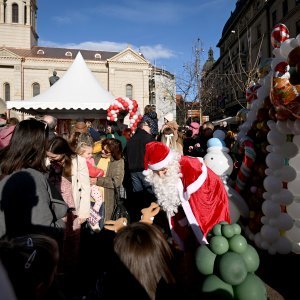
5 135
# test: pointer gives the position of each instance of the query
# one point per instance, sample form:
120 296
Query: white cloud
150 52
156 52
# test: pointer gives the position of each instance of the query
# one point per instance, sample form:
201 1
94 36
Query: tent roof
77 89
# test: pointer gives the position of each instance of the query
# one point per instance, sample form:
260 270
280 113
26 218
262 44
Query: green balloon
251 258
205 260
218 244
251 288
232 268
228 231
238 244
223 222
237 228
217 229
216 288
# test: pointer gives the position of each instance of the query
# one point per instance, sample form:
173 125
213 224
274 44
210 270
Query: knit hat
157 156
169 117
152 122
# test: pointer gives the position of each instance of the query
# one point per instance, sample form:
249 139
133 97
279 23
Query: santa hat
157 156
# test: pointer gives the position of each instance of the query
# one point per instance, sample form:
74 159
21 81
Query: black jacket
118 283
135 150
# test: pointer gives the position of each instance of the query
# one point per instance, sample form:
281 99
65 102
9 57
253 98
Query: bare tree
188 83
241 73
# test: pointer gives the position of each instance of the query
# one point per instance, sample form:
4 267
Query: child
96 211
168 138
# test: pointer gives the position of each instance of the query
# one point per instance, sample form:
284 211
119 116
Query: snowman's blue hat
215 143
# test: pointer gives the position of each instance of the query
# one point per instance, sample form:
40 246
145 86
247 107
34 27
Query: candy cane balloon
279 34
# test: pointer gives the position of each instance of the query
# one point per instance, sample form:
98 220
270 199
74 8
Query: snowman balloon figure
220 162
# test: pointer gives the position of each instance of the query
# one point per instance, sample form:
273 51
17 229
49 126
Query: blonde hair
169 138
82 147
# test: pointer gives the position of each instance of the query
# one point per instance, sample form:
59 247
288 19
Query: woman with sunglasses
26 199
111 161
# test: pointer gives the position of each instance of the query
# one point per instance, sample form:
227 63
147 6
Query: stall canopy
77 94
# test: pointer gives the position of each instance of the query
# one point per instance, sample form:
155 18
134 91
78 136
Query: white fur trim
163 163
190 216
195 186
146 172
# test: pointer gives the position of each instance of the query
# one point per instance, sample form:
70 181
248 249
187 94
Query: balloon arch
124 104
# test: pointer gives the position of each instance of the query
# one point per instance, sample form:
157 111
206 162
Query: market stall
77 94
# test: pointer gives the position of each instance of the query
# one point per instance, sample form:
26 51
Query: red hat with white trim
157 156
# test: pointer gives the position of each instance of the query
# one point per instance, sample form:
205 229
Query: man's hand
115 225
149 213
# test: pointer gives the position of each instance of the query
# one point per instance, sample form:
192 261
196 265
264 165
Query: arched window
129 90
15 13
98 55
35 89
25 14
4 12
6 91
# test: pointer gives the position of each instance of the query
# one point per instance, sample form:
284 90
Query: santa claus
191 194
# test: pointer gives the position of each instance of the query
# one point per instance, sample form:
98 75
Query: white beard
165 187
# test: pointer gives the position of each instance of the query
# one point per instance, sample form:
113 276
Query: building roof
77 89
60 53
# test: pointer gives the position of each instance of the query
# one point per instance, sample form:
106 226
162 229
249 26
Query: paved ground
281 272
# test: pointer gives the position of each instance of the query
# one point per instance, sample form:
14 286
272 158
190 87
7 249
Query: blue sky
164 31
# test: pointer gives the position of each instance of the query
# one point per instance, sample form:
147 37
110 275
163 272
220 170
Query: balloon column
229 264
124 104
275 184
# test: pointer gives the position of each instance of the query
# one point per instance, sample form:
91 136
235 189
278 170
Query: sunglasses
106 151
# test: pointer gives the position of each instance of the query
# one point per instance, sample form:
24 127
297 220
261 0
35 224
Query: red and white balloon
279 34
124 104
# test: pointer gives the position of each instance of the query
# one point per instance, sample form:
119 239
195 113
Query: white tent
76 94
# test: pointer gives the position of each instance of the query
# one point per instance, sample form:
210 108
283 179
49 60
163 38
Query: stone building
25 67
245 43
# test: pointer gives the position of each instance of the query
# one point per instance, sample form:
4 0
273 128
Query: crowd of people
59 236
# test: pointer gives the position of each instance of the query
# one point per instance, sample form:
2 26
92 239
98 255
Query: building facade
25 67
244 45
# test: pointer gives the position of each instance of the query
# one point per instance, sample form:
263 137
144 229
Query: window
68 53
129 90
298 27
285 8
243 46
25 14
15 13
98 55
40 52
274 18
6 91
258 31
35 89
4 11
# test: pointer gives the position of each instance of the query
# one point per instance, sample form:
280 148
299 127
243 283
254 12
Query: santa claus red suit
197 189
